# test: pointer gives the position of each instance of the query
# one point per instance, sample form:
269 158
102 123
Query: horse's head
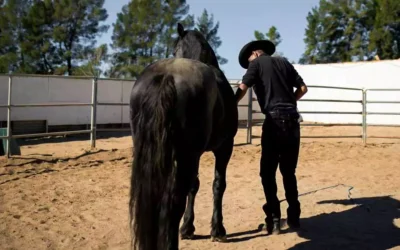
192 44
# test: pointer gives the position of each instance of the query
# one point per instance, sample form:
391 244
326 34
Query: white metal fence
363 112
250 112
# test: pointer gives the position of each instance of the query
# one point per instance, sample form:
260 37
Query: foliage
12 34
352 30
77 24
205 24
59 36
273 35
48 36
94 60
143 33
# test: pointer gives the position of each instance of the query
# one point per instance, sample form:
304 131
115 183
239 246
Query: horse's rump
197 99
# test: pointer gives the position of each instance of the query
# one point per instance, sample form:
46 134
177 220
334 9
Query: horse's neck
211 59
221 78
214 65
209 62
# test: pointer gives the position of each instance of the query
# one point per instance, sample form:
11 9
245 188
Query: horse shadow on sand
368 225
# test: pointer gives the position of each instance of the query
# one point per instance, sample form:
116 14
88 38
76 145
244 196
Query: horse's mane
203 53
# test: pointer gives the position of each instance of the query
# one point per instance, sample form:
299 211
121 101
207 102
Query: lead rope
335 186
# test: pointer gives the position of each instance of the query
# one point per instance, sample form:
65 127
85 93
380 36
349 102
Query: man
273 80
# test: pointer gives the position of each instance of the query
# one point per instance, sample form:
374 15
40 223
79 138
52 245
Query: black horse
179 108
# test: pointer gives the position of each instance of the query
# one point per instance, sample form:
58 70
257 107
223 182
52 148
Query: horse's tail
153 170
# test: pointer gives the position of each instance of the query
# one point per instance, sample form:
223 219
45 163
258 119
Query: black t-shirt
273 79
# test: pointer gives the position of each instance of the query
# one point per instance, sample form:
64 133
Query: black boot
272 221
273 226
293 213
293 223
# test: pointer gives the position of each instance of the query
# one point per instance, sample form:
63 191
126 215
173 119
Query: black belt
284 113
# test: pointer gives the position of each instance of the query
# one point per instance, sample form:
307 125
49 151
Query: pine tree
48 36
12 12
175 11
76 26
150 38
205 24
38 45
93 60
259 35
135 38
385 32
310 56
355 30
273 35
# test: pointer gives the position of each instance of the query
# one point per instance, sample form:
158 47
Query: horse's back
196 96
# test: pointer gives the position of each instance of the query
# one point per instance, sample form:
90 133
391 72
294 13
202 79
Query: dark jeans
280 142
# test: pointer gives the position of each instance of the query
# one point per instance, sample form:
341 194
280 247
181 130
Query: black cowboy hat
265 45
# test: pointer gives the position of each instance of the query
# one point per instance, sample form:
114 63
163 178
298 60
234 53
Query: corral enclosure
50 89
60 195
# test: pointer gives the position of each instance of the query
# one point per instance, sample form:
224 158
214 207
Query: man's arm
301 91
301 87
248 80
241 91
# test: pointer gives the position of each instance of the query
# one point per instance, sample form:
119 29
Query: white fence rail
252 110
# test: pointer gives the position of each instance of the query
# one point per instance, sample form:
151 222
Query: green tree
205 24
92 62
310 56
273 35
48 36
135 38
174 11
385 32
76 26
259 35
38 45
143 33
355 30
12 34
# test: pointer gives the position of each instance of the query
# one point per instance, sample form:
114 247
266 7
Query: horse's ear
180 29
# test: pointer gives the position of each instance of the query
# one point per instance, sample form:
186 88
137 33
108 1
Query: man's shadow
369 225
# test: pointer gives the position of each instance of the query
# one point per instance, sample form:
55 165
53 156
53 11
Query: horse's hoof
219 239
187 236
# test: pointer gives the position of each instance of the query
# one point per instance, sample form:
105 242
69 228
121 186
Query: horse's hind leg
188 228
187 168
222 157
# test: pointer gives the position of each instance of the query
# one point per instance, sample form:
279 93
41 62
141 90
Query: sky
238 19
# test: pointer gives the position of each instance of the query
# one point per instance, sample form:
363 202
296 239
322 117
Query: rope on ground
335 186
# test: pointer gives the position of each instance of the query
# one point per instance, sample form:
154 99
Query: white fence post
93 117
250 117
8 151
364 116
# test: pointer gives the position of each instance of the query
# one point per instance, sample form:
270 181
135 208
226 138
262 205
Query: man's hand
240 92
300 92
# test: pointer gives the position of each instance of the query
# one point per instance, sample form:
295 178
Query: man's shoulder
283 61
270 60
280 58
263 59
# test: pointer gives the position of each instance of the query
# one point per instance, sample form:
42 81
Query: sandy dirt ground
59 195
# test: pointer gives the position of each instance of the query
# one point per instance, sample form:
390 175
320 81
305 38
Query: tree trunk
69 65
